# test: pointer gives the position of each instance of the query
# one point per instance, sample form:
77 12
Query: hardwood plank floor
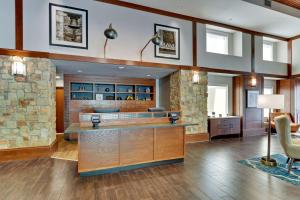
210 172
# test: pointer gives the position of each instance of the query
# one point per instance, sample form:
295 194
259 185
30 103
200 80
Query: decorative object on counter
270 101
129 90
110 98
173 117
111 34
156 40
107 90
18 67
170 42
148 90
220 115
213 114
129 98
252 98
99 97
95 120
196 77
68 26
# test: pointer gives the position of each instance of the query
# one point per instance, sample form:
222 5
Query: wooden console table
224 126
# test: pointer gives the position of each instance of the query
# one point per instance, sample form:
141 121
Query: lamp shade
272 101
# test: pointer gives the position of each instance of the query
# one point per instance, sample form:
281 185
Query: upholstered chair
291 149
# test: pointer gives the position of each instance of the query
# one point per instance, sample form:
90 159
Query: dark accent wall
252 118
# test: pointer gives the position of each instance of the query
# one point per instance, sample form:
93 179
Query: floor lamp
270 101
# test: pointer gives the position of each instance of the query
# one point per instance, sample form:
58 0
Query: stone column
27 105
190 99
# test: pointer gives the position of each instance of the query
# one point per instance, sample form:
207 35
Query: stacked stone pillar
190 99
27 105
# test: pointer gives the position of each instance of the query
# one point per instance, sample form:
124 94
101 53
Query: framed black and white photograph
170 44
68 26
252 98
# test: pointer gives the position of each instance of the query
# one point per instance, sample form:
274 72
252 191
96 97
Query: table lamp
270 101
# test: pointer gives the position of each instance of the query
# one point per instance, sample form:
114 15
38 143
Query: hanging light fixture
155 39
111 34
196 77
253 81
18 67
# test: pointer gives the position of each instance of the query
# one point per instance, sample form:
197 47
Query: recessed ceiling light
79 71
57 77
121 67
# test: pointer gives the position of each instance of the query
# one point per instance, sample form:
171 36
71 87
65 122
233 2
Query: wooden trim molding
19 24
294 38
28 153
290 60
198 137
195 54
37 54
186 17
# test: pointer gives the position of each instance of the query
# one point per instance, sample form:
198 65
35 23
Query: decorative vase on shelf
147 90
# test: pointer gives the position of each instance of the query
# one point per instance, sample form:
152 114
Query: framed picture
68 26
252 98
170 45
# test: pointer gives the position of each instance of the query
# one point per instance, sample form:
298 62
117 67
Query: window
267 91
217 42
268 50
217 100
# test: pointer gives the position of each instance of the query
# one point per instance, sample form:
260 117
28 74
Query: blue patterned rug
280 171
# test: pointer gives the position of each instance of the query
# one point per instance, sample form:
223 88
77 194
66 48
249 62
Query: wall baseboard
198 137
28 153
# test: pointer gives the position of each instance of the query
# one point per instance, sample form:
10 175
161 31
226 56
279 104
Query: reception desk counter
112 148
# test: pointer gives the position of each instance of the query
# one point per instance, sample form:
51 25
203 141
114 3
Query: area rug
281 171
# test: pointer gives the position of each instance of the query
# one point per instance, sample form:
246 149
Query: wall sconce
18 67
253 81
155 39
111 34
196 77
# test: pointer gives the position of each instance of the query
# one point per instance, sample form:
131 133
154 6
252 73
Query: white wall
228 62
134 28
296 56
219 80
267 67
7 24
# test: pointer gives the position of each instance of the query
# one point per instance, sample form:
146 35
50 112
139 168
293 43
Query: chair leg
288 160
290 164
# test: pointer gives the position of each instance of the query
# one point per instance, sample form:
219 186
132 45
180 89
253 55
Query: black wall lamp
111 34
155 39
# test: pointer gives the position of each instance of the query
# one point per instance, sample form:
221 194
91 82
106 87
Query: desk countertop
75 127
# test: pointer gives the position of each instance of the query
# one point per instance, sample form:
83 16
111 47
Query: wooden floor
67 150
210 171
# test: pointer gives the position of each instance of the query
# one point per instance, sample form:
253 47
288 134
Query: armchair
291 149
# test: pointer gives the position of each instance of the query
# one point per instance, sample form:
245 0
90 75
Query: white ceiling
71 67
233 12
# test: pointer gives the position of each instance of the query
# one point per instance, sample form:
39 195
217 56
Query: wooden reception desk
111 148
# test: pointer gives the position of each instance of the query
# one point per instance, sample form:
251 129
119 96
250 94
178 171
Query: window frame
218 33
269 43
227 96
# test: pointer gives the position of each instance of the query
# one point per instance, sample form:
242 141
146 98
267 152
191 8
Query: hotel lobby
137 99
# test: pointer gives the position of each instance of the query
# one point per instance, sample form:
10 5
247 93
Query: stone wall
190 99
27 105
